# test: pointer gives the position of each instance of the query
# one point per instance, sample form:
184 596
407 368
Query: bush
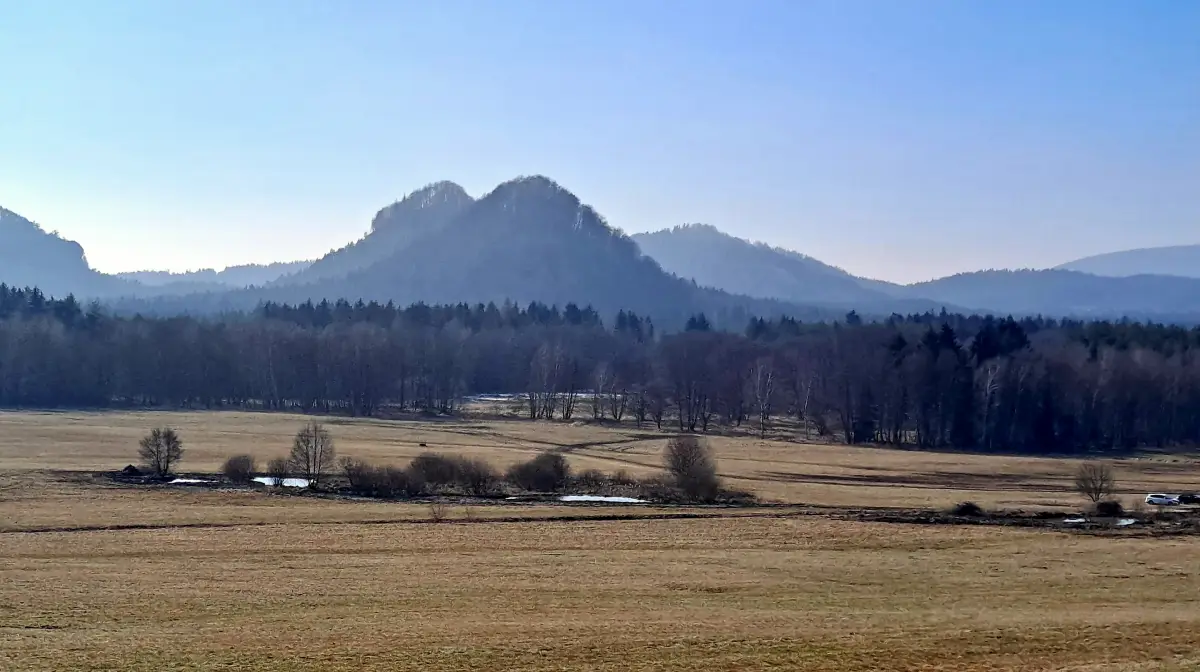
1109 509
240 468
547 472
968 509
278 469
356 473
435 469
385 482
691 466
477 477
591 479
161 450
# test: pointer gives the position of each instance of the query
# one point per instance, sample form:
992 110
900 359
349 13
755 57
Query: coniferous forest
942 381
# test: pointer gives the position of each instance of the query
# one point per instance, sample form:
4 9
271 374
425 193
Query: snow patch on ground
187 481
598 498
287 482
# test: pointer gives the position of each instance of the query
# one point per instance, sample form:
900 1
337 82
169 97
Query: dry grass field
199 579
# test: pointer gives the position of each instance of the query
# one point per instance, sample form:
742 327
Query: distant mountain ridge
245 275
530 239
709 256
1178 260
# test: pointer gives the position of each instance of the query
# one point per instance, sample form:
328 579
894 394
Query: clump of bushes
548 472
1109 509
240 468
968 510
385 482
690 464
426 473
435 469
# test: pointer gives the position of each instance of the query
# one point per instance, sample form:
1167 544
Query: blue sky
901 140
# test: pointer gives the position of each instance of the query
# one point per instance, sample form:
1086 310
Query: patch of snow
287 482
1126 522
597 498
1074 521
187 481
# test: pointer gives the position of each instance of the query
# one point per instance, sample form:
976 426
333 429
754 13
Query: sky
898 140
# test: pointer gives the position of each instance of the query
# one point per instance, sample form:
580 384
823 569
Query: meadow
98 575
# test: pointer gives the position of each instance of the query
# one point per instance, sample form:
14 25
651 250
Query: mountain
715 259
29 256
712 258
1068 293
233 276
527 240
423 212
1180 260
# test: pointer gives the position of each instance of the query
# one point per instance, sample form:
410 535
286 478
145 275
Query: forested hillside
938 381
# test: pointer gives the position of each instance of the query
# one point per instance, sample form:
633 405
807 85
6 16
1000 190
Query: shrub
547 472
477 477
1095 480
438 511
385 482
240 468
691 466
435 469
312 453
356 473
1109 509
591 479
161 450
968 509
278 469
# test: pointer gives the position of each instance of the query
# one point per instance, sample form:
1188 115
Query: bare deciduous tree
312 453
691 465
1095 480
278 470
764 391
161 450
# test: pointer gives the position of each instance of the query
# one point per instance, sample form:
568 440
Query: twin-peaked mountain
529 239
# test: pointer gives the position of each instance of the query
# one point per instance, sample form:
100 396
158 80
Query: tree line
944 381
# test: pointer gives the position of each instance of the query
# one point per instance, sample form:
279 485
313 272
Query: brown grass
253 580
774 470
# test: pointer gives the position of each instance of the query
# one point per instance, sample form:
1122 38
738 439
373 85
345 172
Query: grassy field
774 470
228 579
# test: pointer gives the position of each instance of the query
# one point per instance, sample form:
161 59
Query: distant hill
1068 293
29 256
713 258
1180 260
233 277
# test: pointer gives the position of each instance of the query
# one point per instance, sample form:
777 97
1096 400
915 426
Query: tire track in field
730 512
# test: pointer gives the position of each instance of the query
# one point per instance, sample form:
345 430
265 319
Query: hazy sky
901 140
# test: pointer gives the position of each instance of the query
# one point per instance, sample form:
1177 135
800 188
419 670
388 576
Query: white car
1162 500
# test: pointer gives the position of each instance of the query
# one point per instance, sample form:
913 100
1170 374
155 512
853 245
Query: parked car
1189 499
1162 500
